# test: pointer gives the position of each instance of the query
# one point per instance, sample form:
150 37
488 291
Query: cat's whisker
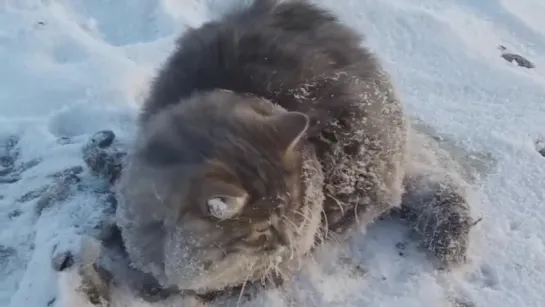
156 193
334 237
270 268
296 231
245 282
265 276
306 217
224 273
311 257
292 224
339 203
356 210
323 231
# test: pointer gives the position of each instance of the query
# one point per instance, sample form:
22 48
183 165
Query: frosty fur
287 57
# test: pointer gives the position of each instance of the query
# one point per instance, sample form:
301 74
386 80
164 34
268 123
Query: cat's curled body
263 131
210 127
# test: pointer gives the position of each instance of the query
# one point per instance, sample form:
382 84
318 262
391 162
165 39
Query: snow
74 67
218 207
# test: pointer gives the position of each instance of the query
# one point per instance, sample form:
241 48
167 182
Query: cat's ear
290 128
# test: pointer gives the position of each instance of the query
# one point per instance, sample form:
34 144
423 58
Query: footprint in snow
100 155
517 58
11 168
540 146
485 276
9 154
143 21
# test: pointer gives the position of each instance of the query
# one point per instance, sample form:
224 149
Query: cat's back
266 49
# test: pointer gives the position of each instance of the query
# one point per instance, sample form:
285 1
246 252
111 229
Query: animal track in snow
516 58
540 146
485 276
145 22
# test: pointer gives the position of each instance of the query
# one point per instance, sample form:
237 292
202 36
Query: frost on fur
225 207
438 210
436 200
81 281
69 294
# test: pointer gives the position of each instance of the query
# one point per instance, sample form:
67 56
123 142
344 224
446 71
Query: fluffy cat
264 132
211 132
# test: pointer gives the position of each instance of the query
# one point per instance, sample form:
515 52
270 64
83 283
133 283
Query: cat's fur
210 121
279 110
169 230
302 58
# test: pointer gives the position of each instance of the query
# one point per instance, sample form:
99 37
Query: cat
266 132
230 119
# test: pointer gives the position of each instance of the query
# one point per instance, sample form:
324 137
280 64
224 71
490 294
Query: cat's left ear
290 128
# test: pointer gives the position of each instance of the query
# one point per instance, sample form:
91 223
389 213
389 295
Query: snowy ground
72 67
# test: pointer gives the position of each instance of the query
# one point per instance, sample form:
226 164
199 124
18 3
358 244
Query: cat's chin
231 271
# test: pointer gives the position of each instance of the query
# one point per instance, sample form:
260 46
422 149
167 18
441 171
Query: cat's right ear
290 128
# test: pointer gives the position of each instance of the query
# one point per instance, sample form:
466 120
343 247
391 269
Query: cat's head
219 178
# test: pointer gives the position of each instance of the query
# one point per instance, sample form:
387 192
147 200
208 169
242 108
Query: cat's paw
443 219
104 156
81 280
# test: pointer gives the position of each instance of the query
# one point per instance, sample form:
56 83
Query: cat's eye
225 207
